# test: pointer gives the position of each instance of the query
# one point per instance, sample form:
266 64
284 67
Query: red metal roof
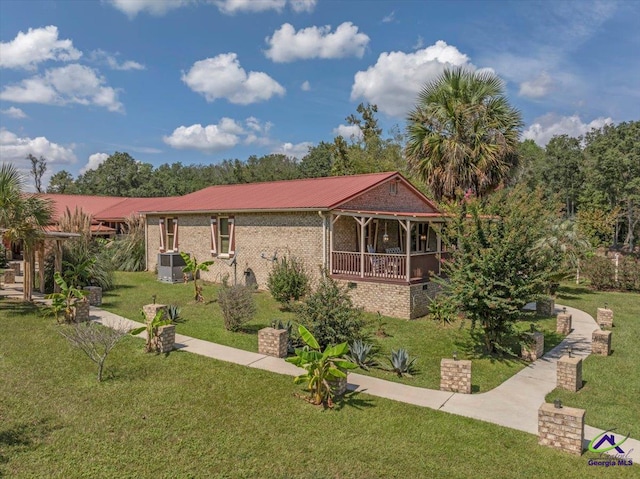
311 193
102 208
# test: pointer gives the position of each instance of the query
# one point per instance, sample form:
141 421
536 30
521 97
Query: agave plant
322 368
173 313
360 353
401 363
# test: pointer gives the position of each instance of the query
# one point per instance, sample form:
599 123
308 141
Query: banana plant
151 328
322 368
64 302
193 267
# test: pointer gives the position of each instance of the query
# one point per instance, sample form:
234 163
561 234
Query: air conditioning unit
170 267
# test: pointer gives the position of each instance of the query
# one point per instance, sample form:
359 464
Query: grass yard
424 339
184 415
611 392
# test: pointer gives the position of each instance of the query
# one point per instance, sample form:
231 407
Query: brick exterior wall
563 323
95 295
396 300
601 342
455 376
273 342
287 234
569 373
561 428
605 317
381 199
533 349
165 338
545 306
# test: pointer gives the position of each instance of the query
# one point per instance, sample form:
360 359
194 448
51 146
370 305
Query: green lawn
424 339
611 389
184 415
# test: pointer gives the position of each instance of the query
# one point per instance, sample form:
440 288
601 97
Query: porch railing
382 265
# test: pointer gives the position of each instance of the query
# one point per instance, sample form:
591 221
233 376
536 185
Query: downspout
324 240
146 242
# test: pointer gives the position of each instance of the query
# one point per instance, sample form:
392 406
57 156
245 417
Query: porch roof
437 216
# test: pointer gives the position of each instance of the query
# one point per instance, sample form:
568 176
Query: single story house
375 233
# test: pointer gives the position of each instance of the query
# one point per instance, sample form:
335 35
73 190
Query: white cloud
14 112
210 138
231 7
394 82
550 125
300 6
60 86
538 87
26 50
14 149
352 132
306 86
101 56
293 150
287 45
419 43
155 7
223 77
95 160
389 18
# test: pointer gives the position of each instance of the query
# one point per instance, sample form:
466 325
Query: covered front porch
389 247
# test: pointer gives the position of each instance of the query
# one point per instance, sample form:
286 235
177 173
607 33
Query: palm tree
463 134
22 217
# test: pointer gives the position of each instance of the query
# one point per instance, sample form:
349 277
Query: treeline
595 177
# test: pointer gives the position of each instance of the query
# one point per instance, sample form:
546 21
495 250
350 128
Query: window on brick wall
223 236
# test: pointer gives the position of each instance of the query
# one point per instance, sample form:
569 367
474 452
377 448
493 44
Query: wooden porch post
408 249
439 251
41 267
331 243
57 263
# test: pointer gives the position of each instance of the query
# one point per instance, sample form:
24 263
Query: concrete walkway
513 404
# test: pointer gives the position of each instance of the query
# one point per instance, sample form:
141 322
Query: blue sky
199 81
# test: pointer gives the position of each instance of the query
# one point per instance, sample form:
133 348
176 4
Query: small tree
288 281
193 267
237 305
495 271
330 315
95 340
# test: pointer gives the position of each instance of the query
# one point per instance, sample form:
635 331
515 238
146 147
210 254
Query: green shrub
330 315
237 304
629 273
600 271
288 281
442 309
128 251
4 262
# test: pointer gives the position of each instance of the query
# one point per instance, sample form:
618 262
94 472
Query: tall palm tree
22 217
463 134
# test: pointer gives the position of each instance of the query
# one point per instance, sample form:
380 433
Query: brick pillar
601 342
95 295
150 311
563 323
81 311
9 276
545 306
561 428
455 375
533 347
605 317
569 373
165 338
339 386
273 342
15 267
